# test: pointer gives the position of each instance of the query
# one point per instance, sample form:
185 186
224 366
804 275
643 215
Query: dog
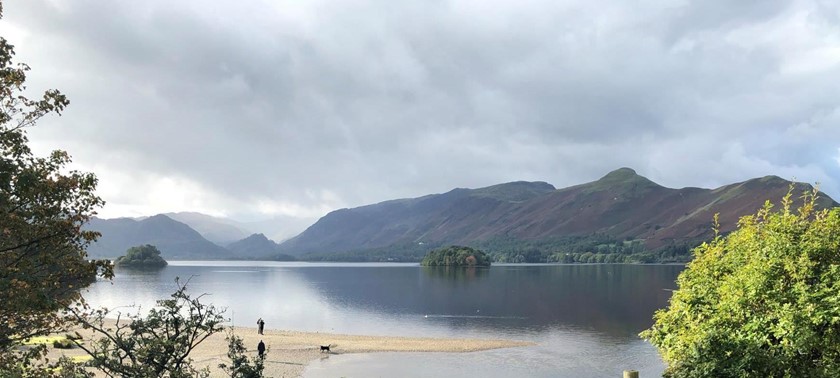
325 348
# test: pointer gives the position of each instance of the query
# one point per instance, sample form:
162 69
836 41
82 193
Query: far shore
289 352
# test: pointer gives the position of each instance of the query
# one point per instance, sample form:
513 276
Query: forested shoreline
594 249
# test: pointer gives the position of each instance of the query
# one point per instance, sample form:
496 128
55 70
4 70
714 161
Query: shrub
763 301
63 344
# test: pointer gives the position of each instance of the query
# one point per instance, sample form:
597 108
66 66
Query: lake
585 319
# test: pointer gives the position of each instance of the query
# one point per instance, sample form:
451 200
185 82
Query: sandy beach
290 351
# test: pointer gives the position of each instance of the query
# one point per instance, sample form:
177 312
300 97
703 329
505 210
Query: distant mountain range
621 206
177 240
621 209
224 231
190 235
174 239
217 230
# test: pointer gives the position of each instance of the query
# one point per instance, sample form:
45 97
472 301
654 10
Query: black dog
325 348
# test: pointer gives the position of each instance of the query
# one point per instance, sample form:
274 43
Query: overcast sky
252 109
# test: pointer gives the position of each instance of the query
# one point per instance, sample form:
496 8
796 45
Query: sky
257 109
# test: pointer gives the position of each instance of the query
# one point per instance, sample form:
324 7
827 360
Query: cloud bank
254 108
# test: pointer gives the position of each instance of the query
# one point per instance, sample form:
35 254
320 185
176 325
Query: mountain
432 218
628 206
224 231
217 230
256 245
621 206
174 239
280 227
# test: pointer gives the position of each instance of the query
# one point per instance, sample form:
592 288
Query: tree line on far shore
592 249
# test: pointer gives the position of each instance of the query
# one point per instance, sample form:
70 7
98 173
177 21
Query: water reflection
453 274
616 300
610 300
585 318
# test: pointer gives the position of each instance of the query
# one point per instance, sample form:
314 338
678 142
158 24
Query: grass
60 342
48 340
81 359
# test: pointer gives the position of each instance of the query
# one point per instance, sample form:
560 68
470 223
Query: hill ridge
621 205
174 239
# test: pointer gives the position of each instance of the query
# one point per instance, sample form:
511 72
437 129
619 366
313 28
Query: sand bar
290 351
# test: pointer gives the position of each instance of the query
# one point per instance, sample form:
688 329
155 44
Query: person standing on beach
261 348
260 326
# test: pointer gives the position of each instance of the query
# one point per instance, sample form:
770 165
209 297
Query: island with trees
456 256
141 256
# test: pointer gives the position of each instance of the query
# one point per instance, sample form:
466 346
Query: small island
456 256
141 256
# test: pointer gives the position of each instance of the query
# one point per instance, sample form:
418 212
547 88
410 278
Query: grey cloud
714 15
376 100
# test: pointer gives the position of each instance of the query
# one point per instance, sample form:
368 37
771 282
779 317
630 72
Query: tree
763 301
242 366
158 345
42 209
141 256
456 256
43 263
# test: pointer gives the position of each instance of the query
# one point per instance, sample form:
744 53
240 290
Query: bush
155 345
242 366
63 344
763 301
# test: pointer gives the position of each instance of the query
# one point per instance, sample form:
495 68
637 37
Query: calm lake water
584 318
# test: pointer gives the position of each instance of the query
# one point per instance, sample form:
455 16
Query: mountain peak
159 217
622 179
620 174
254 245
773 179
258 236
623 175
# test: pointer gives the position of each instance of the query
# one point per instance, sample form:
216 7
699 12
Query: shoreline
290 352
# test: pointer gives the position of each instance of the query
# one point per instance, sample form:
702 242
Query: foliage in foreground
763 301
43 263
141 256
456 256
242 366
157 345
